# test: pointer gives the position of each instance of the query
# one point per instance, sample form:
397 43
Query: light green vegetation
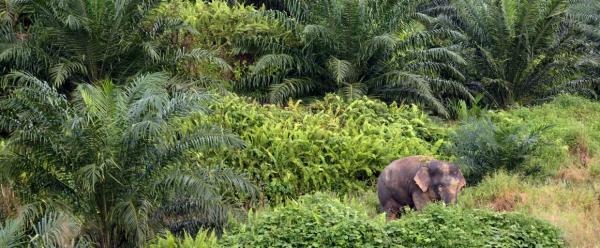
328 145
323 220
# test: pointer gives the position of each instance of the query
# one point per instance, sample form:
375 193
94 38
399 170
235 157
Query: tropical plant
519 50
216 26
587 12
330 144
202 240
117 158
355 48
482 147
323 220
71 41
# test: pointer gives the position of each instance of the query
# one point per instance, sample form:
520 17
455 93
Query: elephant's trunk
448 198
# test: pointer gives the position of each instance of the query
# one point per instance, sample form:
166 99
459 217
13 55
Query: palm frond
341 70
55 229
278 61
290 87
60 72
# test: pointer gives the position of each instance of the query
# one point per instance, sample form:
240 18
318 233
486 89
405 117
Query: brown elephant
415 181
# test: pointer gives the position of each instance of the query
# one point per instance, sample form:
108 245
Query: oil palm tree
355 48
115 157
68 41
587 13
520 50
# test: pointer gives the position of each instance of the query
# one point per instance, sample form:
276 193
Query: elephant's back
400 172
405 165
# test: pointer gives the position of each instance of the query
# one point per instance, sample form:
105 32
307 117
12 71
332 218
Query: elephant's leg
392 209
420 199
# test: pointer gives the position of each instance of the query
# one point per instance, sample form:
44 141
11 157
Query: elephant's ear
422 178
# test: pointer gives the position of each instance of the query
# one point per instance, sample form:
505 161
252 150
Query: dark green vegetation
118 158
130 123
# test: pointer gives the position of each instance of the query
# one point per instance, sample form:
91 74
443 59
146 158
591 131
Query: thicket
328 145
534 141
323 220
354 49
481 147
220 26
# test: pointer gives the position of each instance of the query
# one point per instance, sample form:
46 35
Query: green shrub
482 146
321 220
202 240
439 226
318 220
329 145
573 138
219 26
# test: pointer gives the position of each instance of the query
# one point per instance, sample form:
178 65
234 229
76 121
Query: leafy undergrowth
329 145
565 192
322 220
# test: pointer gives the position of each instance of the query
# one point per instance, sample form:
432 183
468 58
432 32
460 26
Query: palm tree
520 50
587 12
72 41
355 48
116 157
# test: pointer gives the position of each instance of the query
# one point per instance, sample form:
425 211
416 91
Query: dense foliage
518 50
329 145
107 137
218 26
69 41
117 158
356 48
322 220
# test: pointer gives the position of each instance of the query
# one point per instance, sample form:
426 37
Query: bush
318 220
202 240
329 145
322 220
220 26
439 226
482 146
574 209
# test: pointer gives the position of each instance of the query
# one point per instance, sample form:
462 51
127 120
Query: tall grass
574 208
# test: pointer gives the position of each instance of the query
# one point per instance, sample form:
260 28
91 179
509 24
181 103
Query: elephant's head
443 179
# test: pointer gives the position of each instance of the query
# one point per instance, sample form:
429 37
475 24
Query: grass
570 196
572 206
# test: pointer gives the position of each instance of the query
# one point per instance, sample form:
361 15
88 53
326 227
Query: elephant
416 181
